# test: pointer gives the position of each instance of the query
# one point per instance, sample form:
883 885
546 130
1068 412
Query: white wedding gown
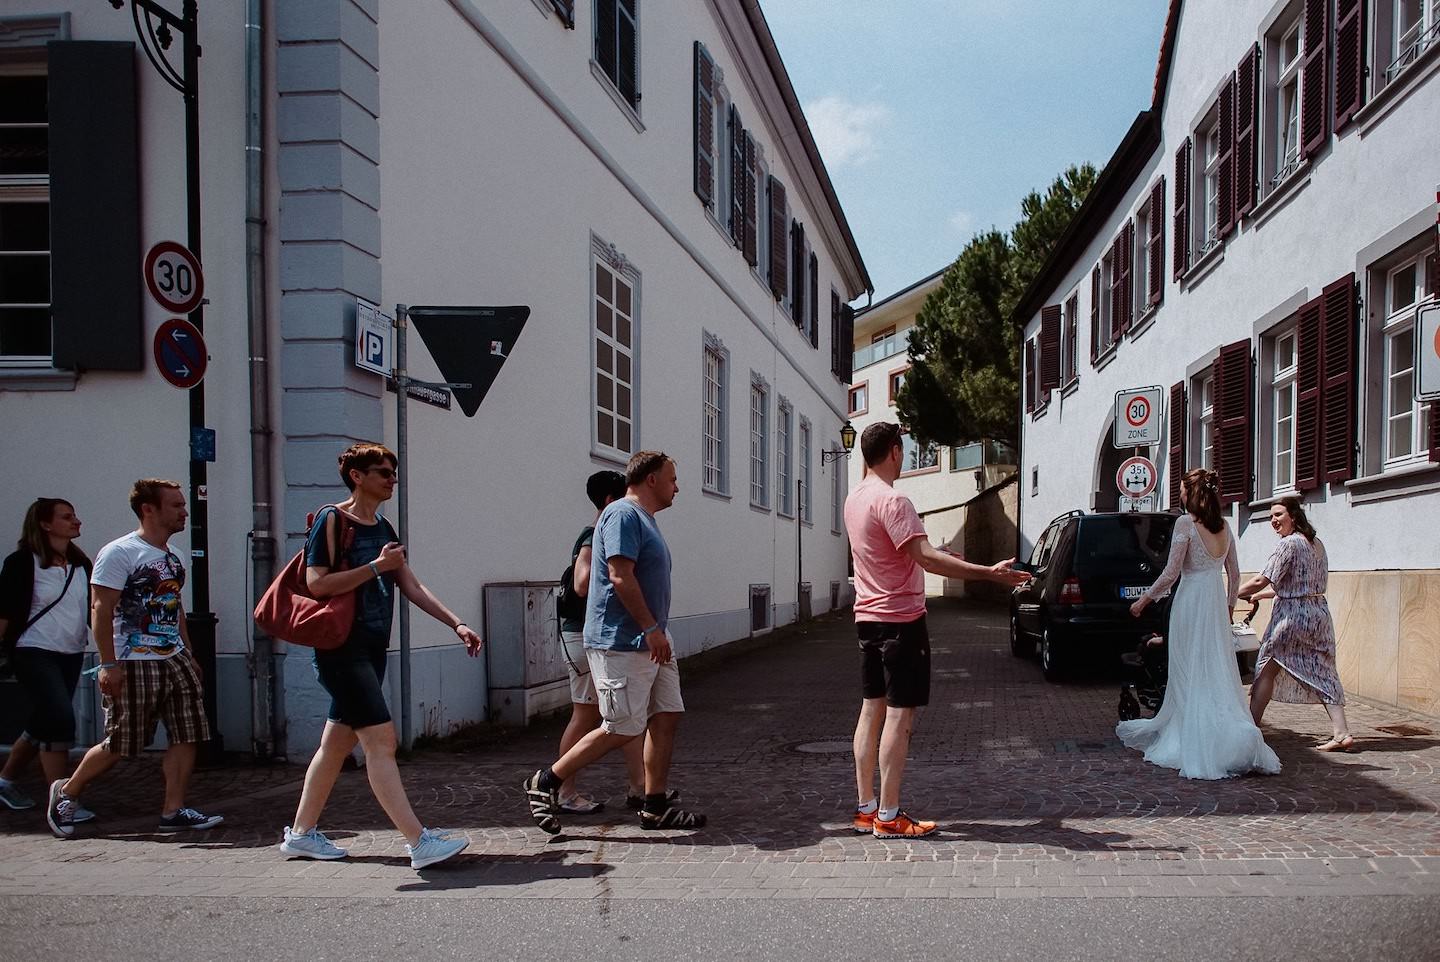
1204 727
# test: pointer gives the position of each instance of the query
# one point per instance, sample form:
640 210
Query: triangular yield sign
469 344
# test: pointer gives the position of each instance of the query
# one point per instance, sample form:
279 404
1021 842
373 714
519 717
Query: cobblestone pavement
1034 794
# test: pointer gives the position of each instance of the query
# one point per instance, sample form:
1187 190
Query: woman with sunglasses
44 620
364 555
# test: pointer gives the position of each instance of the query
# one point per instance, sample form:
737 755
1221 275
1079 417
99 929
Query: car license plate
1130 593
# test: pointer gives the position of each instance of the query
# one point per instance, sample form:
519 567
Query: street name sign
180 354
173 275
1138 413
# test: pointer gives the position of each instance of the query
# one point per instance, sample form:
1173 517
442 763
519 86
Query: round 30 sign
173 275
1136 477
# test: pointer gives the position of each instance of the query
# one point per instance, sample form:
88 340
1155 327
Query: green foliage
964 380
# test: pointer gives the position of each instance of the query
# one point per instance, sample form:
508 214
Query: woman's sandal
1343 744
672 818
580 805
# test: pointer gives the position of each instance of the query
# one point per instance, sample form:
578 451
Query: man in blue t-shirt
628 647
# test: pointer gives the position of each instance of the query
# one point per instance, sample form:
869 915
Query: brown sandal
1345 743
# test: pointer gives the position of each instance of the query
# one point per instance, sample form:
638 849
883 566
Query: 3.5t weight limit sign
173 275
1137 417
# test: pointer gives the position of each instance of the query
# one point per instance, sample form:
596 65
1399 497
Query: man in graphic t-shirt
147 672
892 555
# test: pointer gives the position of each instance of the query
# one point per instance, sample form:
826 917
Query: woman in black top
374 567
44 610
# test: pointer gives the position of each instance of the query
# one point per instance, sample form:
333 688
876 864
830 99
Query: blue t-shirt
374 607
626 530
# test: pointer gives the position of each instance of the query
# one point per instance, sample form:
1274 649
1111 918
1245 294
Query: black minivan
1088 570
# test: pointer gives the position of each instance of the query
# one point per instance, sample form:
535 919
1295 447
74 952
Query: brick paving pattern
1034 794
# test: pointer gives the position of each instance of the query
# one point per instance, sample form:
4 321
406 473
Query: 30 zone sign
172 273
1137 417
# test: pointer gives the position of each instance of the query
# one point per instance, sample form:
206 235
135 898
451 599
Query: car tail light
1070 593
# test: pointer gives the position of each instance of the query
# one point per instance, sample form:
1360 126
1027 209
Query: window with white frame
714 385
1406 421
1282 405
1411 27
860 398
1208 223
1145 236
1070 335
25 326
784 466
1109 278
915 456
759 441
805 485
615 321
1284 50
1207 422
617 47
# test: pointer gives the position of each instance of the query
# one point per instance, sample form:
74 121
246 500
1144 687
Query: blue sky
936 116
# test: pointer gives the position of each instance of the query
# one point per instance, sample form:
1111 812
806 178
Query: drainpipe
267 737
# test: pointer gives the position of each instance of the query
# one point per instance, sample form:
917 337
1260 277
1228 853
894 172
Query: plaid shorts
167 691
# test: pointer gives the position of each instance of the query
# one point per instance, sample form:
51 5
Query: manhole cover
1404 730
829 747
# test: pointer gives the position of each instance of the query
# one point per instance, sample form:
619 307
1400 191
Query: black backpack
569 606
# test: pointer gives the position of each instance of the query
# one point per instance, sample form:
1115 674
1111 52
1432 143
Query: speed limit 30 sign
1138 414
172 273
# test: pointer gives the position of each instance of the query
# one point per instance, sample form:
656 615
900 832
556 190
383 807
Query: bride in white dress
1204 727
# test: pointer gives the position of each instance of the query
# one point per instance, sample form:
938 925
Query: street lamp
847 440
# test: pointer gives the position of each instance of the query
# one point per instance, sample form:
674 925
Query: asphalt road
1397 929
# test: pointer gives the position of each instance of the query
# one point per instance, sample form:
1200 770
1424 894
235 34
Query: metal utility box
525 662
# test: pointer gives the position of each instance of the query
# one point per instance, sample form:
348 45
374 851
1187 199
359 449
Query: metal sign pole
402 446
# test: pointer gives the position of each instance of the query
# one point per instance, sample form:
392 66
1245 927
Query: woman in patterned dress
1297 656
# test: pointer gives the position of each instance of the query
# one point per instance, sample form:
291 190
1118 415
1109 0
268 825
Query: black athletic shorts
895 662
353 675
47 681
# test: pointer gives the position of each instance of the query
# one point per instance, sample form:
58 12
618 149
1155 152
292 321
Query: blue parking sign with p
373 332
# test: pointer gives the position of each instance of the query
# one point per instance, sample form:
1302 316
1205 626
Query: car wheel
1051 661
1020 645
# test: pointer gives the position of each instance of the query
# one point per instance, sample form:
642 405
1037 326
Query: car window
1124 543
1041 552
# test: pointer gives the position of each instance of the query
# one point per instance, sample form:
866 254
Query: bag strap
46 610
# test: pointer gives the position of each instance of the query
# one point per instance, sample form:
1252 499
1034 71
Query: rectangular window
896 381
1208 224
1207 422
615 321
1070 353
617 46
1405 420
25 325
860 399
805 495
1282 403
1414 26
784 470
1140 280
917 457
967 457
714 383
1286 48
759 443
1110 298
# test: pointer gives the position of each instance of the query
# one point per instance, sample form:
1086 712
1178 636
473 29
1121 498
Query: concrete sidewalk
1035 796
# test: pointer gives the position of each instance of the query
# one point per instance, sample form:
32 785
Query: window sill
720 228
37 379
1070 386
1393 93
1395 482
859 413
715 493
1104 359
631 114
759 508
1205 266
1143 322
609 457
1279 196
787 515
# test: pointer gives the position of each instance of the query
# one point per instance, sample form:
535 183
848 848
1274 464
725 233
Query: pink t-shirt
881 521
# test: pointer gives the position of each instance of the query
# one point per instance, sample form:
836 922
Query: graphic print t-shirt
149 579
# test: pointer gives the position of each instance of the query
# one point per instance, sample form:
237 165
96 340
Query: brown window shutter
1156 252
1339 347
735 216
1225 176
628 50
1432 281
1129 273
1233 441
751 244
1030 375
1310 328
1349 60
1049 348
1313 70
847 342
1181 220
814 301
779 250
1095 313
837 344
1247 102
704 125
797 274
1175 470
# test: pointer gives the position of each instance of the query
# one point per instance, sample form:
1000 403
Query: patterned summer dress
1301 636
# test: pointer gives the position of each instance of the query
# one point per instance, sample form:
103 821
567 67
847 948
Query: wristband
650 629
458 626
374 569
109 664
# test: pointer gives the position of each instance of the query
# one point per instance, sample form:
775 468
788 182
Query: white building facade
642 180
1259 246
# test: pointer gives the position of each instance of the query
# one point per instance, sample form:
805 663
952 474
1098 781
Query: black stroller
1147 670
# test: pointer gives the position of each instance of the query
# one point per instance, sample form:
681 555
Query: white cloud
962 222
846 132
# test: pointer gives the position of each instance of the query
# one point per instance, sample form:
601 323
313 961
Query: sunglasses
386 473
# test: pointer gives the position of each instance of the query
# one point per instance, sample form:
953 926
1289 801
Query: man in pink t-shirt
892 555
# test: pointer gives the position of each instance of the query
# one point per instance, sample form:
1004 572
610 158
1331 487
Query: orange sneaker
864 822
902 826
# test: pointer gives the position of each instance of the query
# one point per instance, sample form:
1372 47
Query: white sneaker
311 844
433 847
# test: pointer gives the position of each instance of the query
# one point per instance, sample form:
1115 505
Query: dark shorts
895 662
47 681
353 675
